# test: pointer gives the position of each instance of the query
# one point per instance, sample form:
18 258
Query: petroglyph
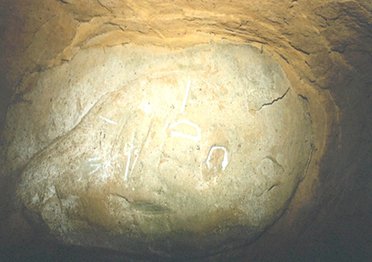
225 160
130 151
127 166
184 103
174 147
108 120
174 133
97 164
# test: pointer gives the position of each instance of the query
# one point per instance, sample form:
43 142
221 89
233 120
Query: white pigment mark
136 154
95 163
195 137
186 96
93 159
108 120
183 135
98 165
225 160
106 167
96 168
129 152
129 155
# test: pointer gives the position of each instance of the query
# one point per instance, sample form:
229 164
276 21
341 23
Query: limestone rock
131 145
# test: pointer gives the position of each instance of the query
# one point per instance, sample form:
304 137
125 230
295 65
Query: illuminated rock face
187 146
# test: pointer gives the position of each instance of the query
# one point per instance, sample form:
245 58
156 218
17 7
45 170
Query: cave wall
324 47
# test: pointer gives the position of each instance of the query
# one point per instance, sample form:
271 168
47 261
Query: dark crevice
272 187
299 49
274 101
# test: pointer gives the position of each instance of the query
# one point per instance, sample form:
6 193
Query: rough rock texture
323 46
193 147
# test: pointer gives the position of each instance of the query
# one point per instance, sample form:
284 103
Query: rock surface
192 147
323 46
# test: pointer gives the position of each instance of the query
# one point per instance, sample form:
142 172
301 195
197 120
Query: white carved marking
195 137
134 162
225 160
129 155
186 97
93 159
129 152
107 120
186 136
97 164
106 165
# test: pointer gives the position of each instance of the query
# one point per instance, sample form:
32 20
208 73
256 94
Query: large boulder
152 150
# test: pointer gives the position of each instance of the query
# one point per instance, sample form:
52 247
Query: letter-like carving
108 120
186 97
195 137
225 160
97 164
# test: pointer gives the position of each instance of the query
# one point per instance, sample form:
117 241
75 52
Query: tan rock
53 80
173 145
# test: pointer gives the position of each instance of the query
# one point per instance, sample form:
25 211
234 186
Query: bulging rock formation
211 130
191 147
